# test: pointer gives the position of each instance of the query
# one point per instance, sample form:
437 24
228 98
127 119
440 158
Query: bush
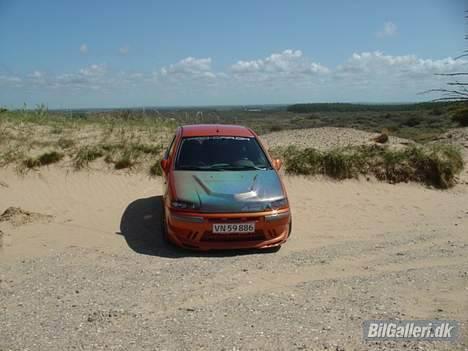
124 162
43 160
461 117
435 164
276 128
342 164
86 155
127 160
412 121
65 143
155 169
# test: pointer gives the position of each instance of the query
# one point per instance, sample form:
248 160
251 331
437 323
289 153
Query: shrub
435 164
43 160
124 162
276 128
412 121
65 143
127 160
342 163
155 169
439 165
49 158
146 148
461 117
85 155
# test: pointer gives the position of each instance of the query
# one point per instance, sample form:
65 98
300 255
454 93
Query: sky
83 54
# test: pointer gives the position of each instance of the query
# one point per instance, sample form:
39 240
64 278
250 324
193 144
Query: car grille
234 220
257 236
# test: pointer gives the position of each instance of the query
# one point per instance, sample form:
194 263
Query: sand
96 275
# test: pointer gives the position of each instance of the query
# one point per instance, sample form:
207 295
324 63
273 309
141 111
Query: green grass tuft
155 169
85 155
45 159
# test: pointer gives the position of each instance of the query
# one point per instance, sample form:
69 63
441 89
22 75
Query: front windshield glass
217 153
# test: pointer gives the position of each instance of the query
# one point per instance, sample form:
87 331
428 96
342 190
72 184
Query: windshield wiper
189 168
250 168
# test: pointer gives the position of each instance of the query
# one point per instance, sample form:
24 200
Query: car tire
290 228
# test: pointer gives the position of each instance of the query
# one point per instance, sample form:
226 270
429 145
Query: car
222 190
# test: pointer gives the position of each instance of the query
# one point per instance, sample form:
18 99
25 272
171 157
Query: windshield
219 153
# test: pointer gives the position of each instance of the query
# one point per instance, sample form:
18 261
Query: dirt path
96 275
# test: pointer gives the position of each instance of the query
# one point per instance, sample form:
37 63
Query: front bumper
194 230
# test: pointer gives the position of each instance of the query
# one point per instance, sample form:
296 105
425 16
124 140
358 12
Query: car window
221 153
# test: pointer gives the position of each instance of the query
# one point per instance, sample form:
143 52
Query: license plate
221 228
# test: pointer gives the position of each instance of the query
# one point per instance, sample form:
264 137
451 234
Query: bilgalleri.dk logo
442 330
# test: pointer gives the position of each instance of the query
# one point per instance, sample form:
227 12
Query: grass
85 155
134 138
65 143
127 160
436 165
44 159
155 169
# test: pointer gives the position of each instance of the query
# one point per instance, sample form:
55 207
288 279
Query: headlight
278 203
184 205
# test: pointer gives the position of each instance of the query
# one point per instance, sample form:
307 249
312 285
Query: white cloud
390 29
288 75
93 70
376 64
189 68
10 78
123 50
284 65
37 74
83 48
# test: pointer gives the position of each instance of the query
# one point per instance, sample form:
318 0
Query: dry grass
44 159
121 142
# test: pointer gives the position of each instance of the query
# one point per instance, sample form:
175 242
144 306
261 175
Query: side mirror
164 165
277 163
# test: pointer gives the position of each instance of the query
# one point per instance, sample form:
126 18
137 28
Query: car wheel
290 228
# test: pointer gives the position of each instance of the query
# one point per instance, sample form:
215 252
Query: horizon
114 55
233 106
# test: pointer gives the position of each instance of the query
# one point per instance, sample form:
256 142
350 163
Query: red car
222 190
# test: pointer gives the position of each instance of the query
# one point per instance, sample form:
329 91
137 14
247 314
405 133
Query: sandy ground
97 276
325 138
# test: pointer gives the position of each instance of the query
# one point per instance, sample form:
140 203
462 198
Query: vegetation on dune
461 116
85 155
126 160
44 159
135 138
347 107
435 165
124 140
155 169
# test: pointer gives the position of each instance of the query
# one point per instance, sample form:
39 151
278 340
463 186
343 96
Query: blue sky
155 53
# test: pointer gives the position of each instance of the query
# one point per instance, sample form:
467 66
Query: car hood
228 191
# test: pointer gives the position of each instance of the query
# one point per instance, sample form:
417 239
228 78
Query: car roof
215 129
